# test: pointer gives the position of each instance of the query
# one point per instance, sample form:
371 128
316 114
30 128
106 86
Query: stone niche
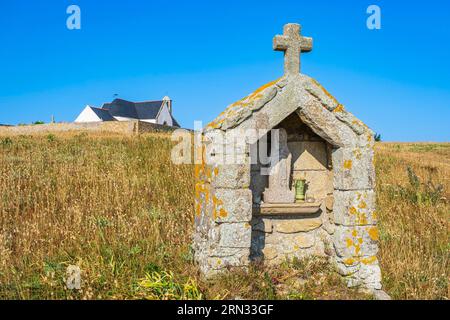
285 231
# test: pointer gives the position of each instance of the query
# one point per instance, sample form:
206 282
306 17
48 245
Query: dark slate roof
148 110
103 114
121 108
138 110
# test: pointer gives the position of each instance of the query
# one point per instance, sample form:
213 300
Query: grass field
116 207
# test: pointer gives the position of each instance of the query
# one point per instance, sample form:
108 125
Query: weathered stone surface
302 240
239 258
323 245
275 195
296 225
349 119
329 202
232 205
223 147
242 109
328 220
367 139
325 124
270 252
309 155
330 184
231 176
234 235
381 295
288 243
345 269
275 111
277 248
318 183
331 104
275 245
350 242
353 168
292 44
279 189
369 276
354 208
319 92
224 252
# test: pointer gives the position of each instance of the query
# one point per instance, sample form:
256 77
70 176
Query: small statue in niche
279 190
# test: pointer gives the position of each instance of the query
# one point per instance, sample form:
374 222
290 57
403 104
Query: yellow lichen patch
349 261
197 171
216 203
296 248
348 164
369 260
353 210
198 209
354 233
362 205
362 219
325 91
373 233
339 108
357 249
201 175
256 94
216 171
201 189
208 173
349 242
223 213
246 101
234 108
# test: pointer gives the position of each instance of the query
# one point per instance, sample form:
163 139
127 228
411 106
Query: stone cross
293 44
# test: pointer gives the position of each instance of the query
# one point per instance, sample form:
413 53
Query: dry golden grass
119 209
414 220
114 206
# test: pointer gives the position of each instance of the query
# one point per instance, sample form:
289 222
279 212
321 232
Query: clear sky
207 54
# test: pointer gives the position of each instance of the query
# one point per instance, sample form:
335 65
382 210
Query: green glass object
300 190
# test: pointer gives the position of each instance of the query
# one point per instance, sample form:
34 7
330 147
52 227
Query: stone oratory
316 198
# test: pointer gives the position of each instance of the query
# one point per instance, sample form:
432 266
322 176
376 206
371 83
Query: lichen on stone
331 104
240 110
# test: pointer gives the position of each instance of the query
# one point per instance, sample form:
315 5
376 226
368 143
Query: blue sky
207 54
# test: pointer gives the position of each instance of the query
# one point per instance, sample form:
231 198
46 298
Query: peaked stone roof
301 88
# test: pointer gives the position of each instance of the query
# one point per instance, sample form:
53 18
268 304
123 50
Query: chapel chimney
169 103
